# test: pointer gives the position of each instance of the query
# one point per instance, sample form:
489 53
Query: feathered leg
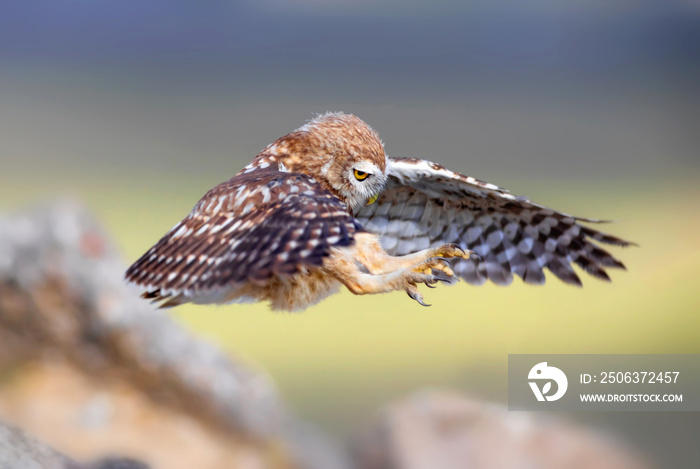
369 252
389 273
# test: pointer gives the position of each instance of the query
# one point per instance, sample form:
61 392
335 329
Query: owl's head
340 151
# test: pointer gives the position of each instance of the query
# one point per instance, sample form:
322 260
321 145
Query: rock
438 430
20 451
116 463
61 289
65 307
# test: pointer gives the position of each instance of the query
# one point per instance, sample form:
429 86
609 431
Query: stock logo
547 374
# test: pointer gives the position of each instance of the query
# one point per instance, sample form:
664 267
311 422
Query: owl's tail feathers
150 295
169 301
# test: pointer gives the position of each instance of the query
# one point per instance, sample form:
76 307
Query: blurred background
589 106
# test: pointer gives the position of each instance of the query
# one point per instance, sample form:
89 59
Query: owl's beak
372 199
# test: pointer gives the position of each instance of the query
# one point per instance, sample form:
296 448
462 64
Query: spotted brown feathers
298 222
251 228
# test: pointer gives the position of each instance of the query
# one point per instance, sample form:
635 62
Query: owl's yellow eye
361 175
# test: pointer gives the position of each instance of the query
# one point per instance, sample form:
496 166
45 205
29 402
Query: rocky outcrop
64 305
21 451
447 431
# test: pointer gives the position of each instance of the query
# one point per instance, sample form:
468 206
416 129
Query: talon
458 247
431 280
444 260
414 294
438 277
470 253
449 250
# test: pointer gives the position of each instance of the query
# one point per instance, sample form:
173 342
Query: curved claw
457 246
463 253
471 253
429 285
439 276
414 294
446 261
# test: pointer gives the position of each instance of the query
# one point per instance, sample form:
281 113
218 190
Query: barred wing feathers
248 229
426 205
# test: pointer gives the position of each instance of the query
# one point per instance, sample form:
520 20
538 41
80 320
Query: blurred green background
588 107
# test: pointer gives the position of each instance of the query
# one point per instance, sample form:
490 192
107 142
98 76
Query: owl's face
340 151
359 182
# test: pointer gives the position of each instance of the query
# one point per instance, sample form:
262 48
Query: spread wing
249 229
426 205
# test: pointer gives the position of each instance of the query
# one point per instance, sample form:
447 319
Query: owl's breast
295 292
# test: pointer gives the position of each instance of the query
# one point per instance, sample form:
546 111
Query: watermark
604 382
549 375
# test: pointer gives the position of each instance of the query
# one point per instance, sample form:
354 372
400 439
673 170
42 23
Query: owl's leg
343 266
369 253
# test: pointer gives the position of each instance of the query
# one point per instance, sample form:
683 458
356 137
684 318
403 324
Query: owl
324 207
